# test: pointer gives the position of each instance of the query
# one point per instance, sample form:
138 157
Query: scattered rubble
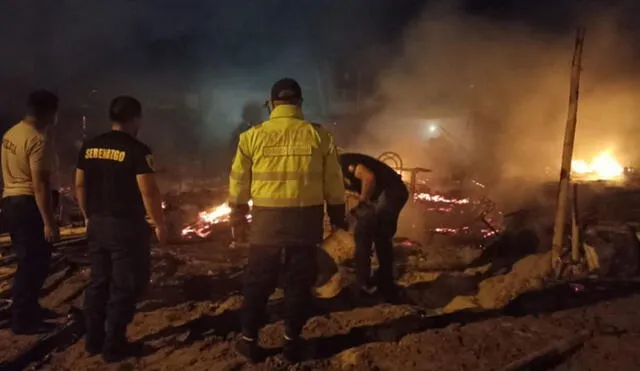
465 306
496 292
190 317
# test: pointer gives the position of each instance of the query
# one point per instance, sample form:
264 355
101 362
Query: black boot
29 322
93 343
391 293
116 351
249 349
46 314
293 350
365 293
32 328
94 337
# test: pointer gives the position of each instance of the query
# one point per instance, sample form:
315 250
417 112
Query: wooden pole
576 238
567 153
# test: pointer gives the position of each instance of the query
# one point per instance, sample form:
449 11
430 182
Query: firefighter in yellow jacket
289 168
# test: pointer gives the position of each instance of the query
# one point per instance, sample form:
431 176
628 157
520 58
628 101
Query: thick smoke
210 57
497 94
495 88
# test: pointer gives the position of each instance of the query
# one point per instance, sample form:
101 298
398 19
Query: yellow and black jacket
289 168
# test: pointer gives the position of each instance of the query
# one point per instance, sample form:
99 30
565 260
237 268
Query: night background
369 69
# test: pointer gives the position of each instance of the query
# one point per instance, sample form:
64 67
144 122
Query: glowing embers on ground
602 167
486 233
208 219
466 216
440 203
440 199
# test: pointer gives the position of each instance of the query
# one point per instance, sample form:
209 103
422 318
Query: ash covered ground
189 319
465 307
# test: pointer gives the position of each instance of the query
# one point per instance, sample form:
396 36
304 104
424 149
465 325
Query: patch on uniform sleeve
287 151
149 159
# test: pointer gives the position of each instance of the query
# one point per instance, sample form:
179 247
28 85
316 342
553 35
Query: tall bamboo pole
576 238
567 152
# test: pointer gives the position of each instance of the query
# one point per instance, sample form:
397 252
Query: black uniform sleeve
81 158
143 161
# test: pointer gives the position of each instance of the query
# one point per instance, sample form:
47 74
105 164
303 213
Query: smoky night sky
500 66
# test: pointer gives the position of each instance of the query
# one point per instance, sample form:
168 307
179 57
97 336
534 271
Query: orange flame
602 167
207 219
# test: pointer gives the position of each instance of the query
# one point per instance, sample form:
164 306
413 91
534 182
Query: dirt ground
189 319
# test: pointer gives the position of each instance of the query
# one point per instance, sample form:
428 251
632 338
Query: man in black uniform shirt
382 196
115 185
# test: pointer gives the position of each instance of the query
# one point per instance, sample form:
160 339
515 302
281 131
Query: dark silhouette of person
252 114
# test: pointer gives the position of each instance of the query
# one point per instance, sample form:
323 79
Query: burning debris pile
602 167
472 217
463 211
456 215
479 214
208 220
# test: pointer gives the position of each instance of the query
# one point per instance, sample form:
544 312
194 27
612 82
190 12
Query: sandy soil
189 319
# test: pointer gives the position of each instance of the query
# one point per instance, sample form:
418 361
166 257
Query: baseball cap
286 89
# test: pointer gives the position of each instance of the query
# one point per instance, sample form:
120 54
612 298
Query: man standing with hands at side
116 187
27 207
289 168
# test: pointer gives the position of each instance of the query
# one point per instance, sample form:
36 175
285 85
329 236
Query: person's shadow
192 288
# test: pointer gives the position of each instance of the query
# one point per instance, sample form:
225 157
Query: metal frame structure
397 165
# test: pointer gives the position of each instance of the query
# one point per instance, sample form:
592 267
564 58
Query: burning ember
463 215
207 219
602 167
440 199
486 233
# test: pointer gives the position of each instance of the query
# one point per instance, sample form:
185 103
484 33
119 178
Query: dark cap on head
286 89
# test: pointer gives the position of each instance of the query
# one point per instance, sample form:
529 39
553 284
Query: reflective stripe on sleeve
285 175
240 176
285 202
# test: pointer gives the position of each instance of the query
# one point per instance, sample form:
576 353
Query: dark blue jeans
261 279
120 270
33 252
377 227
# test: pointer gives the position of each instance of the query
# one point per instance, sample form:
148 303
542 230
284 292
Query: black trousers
378 228
261 279
26 229
120 271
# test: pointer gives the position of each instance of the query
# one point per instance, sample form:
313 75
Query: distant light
430 129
